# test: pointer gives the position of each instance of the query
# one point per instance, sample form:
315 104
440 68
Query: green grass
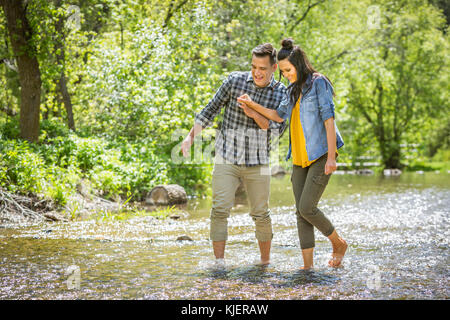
125 214
443 166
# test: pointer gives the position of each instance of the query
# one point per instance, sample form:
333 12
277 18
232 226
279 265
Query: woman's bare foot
339 250
306 268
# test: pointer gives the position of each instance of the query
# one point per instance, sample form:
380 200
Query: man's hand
186 145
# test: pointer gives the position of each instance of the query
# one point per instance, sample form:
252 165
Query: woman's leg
339 248
304 228
315 184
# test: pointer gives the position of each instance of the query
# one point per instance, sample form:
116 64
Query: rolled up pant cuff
263 237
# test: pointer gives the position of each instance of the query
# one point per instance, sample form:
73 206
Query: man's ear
274 67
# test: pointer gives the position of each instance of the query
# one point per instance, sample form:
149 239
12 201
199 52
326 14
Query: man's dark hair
266 49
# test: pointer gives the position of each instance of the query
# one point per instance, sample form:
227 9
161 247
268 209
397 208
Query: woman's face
288 70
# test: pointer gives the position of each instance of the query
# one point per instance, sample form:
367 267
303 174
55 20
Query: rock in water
166 195
184 238
364 172
179 215
392 172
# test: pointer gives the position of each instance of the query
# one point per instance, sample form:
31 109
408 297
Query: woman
313 143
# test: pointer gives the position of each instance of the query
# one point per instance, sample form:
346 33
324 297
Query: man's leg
257 184
225 181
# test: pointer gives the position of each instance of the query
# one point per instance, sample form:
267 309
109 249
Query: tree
20 34
396 83
64 95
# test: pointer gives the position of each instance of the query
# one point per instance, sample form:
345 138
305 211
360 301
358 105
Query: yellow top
298 143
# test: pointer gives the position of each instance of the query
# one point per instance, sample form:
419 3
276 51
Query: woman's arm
331 165
260 120
266 112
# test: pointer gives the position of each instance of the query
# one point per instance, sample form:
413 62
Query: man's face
262 70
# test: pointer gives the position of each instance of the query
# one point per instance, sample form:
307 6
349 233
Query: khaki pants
225 181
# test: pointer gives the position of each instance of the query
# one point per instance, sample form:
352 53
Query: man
242 147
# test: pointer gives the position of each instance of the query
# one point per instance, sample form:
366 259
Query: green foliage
138 71
22 169
125 214
55 167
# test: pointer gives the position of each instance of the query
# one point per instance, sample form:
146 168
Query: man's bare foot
306 268
263 263
338 254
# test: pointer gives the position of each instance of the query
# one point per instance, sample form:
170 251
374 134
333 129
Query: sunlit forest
97 91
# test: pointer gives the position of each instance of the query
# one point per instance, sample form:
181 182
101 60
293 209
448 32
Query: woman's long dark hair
300 61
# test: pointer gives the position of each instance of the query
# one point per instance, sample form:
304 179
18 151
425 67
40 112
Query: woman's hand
245 100
330 166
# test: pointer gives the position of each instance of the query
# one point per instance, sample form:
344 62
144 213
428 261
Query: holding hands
244 104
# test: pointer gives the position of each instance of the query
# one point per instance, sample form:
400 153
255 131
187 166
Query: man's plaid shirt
240 140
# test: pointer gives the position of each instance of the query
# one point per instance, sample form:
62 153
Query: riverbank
24 209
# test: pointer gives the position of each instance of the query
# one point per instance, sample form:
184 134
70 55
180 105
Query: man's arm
206 116
187 142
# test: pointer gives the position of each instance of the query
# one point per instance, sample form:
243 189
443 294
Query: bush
115 168
22 170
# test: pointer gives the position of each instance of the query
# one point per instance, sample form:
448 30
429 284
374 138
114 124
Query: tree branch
171 11
303 17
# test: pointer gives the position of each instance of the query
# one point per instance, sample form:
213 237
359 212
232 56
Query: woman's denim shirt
316 106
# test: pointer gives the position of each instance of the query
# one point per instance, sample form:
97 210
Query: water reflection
397 230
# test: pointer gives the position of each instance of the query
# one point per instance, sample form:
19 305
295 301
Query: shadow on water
305 277
258 274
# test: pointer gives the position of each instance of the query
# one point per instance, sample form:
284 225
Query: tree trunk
20 34
66 100
392 161
60 59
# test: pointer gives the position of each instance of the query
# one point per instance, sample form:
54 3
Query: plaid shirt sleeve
206 117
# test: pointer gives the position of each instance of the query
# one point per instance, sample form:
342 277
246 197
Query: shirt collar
307 84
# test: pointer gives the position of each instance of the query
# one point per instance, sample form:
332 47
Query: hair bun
287 44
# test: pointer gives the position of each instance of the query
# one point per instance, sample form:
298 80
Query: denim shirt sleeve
273 125
212 109
283 108
325 97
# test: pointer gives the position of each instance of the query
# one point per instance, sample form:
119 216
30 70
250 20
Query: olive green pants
225 181
309 184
